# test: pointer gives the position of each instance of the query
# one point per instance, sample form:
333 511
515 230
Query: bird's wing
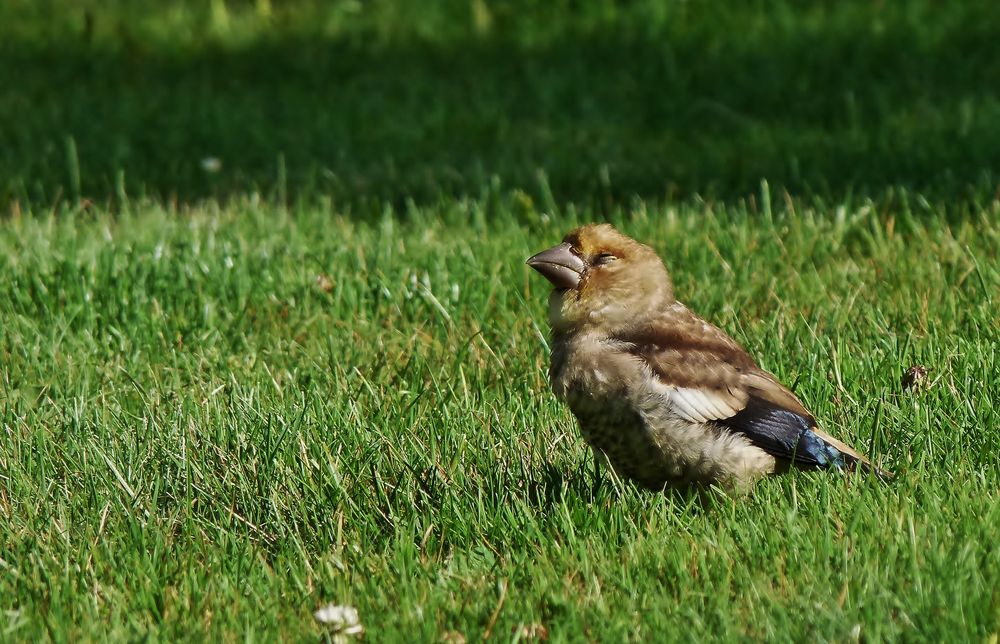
708 377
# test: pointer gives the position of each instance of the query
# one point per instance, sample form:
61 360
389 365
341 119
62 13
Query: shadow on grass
853 101
554 485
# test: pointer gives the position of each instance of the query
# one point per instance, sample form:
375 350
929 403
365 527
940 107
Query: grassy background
389 100
200 439
318 375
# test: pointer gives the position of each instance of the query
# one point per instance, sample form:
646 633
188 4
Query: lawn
317 374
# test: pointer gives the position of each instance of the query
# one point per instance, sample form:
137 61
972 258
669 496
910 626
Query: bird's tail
853 459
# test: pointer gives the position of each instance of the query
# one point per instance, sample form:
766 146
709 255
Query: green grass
200 440
317 375
391 100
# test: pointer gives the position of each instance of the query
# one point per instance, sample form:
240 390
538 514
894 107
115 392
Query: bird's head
602 279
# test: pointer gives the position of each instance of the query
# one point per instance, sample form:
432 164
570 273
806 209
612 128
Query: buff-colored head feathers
602 278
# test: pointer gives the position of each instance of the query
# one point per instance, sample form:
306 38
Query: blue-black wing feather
783 433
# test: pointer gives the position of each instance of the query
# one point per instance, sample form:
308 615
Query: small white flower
211 164
343 619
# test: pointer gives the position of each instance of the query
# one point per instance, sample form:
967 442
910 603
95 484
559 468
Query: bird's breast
599 382
590 366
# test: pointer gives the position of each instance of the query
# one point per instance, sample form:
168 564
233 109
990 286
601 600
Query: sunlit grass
216 421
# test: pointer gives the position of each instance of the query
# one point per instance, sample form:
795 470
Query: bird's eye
604 258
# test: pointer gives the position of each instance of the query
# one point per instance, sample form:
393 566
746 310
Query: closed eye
604 258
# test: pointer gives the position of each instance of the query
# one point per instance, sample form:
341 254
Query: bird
663 397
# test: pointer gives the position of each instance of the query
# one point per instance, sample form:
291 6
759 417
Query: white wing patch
702 405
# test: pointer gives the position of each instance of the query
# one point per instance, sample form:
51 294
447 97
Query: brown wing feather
684 351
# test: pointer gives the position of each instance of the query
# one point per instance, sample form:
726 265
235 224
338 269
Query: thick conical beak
559 265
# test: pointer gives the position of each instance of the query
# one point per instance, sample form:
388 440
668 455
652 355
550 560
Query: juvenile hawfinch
663 397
